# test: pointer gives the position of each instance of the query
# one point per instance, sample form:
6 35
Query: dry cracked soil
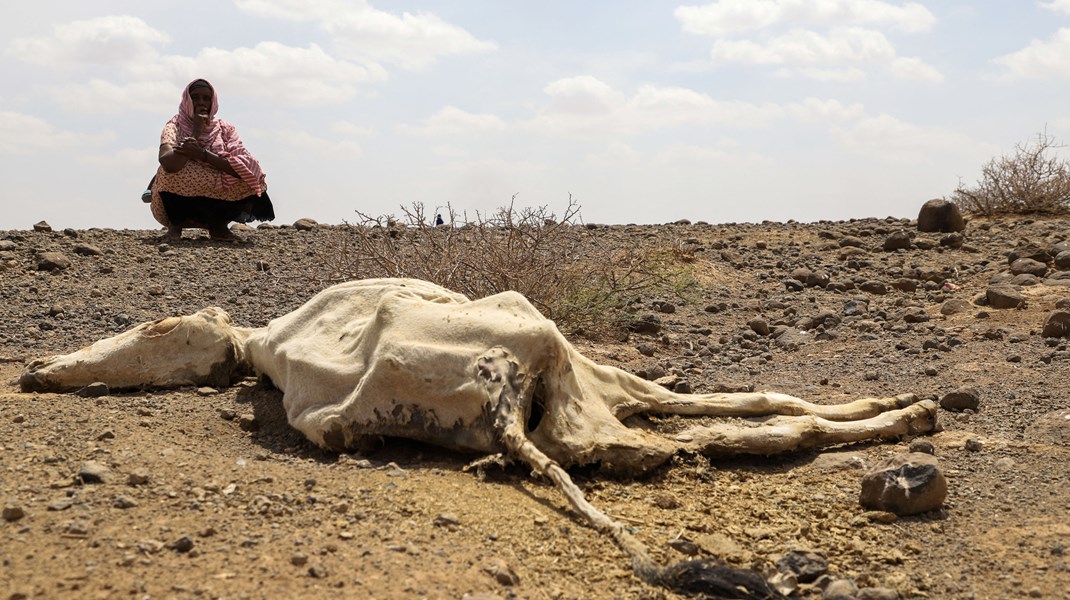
208 493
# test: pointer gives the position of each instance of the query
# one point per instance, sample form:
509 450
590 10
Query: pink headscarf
220 138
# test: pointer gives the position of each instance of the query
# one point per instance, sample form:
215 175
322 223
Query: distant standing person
206 177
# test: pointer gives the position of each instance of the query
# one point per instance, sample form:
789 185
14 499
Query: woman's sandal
222 234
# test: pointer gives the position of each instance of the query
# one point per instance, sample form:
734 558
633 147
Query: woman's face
202 100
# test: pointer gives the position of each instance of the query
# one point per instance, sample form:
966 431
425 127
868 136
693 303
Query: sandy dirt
208 493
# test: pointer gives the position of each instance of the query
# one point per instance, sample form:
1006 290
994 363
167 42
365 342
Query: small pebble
923 446
181 545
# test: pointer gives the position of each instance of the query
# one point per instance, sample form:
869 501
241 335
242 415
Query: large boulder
1062 260
1057 324
938 215
1004 296
1029 266
905 484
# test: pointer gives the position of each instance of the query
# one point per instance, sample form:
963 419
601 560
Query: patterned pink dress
194 179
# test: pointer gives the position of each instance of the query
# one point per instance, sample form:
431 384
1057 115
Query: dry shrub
581 281
1032 180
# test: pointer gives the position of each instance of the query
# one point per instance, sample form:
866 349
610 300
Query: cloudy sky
645 111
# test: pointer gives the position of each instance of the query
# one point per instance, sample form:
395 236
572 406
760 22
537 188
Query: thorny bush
1030 181
582 282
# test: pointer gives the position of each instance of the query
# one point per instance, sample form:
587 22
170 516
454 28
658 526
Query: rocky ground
202 493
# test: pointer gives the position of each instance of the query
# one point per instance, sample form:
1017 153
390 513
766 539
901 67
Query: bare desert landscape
209 493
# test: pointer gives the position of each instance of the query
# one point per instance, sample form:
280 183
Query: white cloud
127 158
726 17
616 155
363 33
109 40
1040 59
656 107
1061 6
689 156
307 144
451 120
103 97
410 41
915 69
298 10
824 75
800 46
586 105
350 129
886 137
818 110
836 56
581 96
286 74
26 134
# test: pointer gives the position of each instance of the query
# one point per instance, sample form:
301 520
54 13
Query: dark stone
905 285
810 278
13 512
1029 266
952 240
915 315
878 288
93 390
1024 280
665 307
791 285
1057 325
52 261
900 240
1004 297
938 215
647 324
806 566
1062 260
906 484
181 545
955 306
87 250
961 399
922 446
759 325
248 422
854 308
92 472
1030 251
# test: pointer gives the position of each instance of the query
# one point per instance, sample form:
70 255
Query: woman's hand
190 148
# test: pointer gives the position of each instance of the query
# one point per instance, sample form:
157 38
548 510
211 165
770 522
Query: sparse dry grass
1031 181
580 281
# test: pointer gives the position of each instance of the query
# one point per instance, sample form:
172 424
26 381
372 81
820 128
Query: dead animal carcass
406 358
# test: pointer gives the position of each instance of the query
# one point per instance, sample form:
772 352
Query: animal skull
406 358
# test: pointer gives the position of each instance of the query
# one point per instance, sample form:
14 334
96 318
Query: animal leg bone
757 404
513 399
784 434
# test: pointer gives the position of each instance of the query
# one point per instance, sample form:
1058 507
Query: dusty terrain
209 494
